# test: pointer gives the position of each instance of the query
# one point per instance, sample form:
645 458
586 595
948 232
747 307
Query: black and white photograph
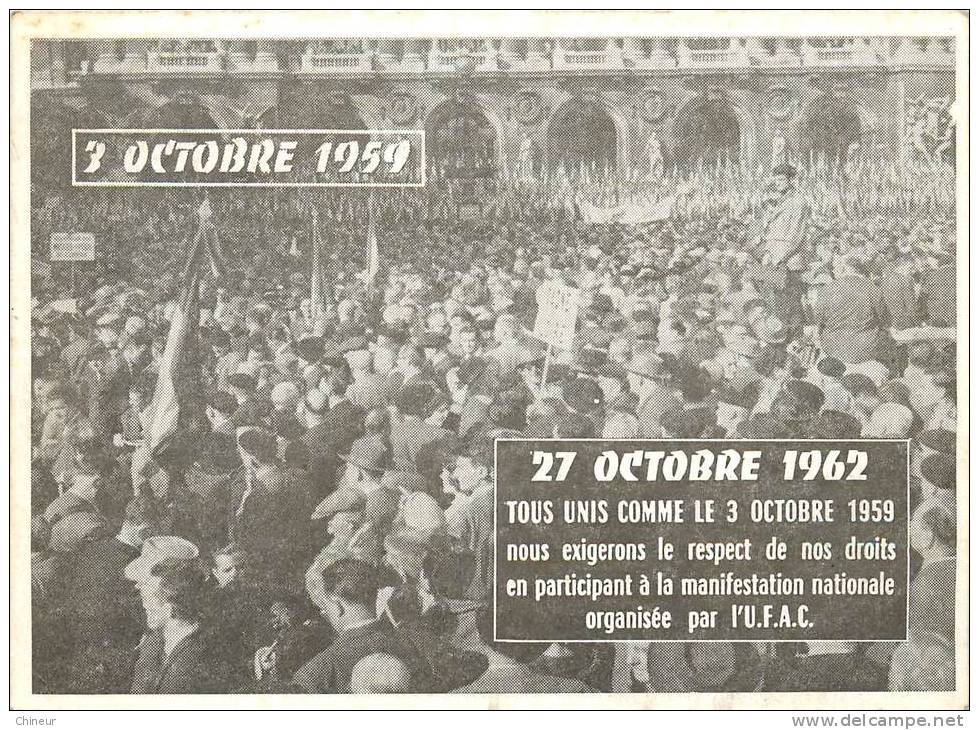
490 362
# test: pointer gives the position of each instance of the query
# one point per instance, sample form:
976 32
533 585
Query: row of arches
464 139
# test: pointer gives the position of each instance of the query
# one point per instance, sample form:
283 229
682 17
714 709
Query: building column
103 56
537 54
237 56
510 52
414 58
265 56
388 52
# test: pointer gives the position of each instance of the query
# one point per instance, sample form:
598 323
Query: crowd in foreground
322 519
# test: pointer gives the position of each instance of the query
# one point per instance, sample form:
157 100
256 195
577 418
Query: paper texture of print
597 354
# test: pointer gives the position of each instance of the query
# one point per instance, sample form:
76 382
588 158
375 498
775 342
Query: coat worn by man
782 233
272 526
330 670
852 317
104 618
189 668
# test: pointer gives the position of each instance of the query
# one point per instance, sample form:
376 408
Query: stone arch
571 130
711 124
463 135
829 124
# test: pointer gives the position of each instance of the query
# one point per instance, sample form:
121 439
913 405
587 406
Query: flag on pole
317 287
165 406
373 250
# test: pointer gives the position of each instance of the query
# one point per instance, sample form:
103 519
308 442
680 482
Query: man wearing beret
781 246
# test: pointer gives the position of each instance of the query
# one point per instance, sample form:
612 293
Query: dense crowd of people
321 520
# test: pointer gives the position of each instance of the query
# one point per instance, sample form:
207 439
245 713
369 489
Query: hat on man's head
418 399
831 367
646 365
259 443
836 425
588 359
432 339
583 395
157 550
811 395
939 471
369 453
644 329
745 397
353 344
309 349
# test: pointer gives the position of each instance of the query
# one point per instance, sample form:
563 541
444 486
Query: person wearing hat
865 395
226 359
828 376
366 463
343 420
511 665
781 247
345 592
175 655
733 407
221 406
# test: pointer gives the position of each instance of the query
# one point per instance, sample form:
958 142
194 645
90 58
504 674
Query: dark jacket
852 318
189 669
330 670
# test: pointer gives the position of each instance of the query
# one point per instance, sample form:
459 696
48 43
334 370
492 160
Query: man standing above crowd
781 247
